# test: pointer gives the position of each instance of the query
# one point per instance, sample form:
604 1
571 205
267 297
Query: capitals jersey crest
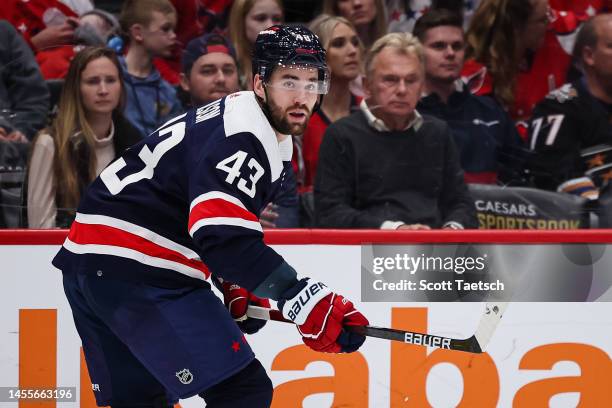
185 201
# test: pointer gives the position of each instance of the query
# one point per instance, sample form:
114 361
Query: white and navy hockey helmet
290 46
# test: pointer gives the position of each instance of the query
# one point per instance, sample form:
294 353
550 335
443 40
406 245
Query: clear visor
300 78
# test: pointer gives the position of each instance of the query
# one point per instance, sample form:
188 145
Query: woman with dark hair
88 133
504 55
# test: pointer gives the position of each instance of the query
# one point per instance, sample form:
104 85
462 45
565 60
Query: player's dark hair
436 18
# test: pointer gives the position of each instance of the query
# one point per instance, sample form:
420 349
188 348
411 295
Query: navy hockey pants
148 346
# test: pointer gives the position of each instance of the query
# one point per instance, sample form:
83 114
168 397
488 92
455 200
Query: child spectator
149 25
247 19
188 26
87 134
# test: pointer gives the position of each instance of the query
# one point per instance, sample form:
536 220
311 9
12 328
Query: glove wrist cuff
299 306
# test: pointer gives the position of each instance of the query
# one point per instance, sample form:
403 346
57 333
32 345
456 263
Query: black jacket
24 97
365 177
567 121
489 144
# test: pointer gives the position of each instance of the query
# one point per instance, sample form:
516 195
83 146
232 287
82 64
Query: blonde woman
247 19
88 133
344 55
368 16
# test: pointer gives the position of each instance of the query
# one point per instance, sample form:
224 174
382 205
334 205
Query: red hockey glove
321 315
237 300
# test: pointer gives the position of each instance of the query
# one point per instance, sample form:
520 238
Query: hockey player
180 206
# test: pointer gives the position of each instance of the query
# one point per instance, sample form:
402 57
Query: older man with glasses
387 166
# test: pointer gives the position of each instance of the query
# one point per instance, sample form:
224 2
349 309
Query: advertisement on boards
552 347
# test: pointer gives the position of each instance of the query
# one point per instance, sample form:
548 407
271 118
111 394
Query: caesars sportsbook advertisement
549 346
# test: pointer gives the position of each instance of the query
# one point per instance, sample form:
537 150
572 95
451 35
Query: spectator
24 102
188 26
505 57
368 16
151 101
194 18
24 98
44 24
87 134
344 56
576 117
210 72
95 28
402 14
386 166
210 69
247 19
214 14
489 144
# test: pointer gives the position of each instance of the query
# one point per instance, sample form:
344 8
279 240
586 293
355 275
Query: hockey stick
474 344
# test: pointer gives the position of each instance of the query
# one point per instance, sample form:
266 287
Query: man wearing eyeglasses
387 166
490 148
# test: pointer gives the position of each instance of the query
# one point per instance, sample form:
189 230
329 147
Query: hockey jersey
184 202
565 123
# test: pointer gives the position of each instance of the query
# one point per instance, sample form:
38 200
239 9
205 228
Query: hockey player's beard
280 121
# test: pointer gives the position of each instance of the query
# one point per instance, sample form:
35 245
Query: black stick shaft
469 345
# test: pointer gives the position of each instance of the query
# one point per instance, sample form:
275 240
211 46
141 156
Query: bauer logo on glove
300 308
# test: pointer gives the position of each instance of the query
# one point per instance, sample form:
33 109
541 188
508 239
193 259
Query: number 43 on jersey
232 166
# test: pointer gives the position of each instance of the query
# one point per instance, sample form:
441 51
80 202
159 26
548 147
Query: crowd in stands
439 114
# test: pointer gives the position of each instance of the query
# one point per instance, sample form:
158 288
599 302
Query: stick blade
491 318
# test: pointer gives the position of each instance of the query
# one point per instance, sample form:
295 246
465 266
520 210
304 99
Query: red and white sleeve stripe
218 208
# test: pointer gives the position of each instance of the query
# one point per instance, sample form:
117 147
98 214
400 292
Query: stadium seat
11 186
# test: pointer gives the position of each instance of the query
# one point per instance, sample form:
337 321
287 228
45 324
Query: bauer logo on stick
427 340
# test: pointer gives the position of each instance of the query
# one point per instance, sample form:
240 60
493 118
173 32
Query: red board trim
358 237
